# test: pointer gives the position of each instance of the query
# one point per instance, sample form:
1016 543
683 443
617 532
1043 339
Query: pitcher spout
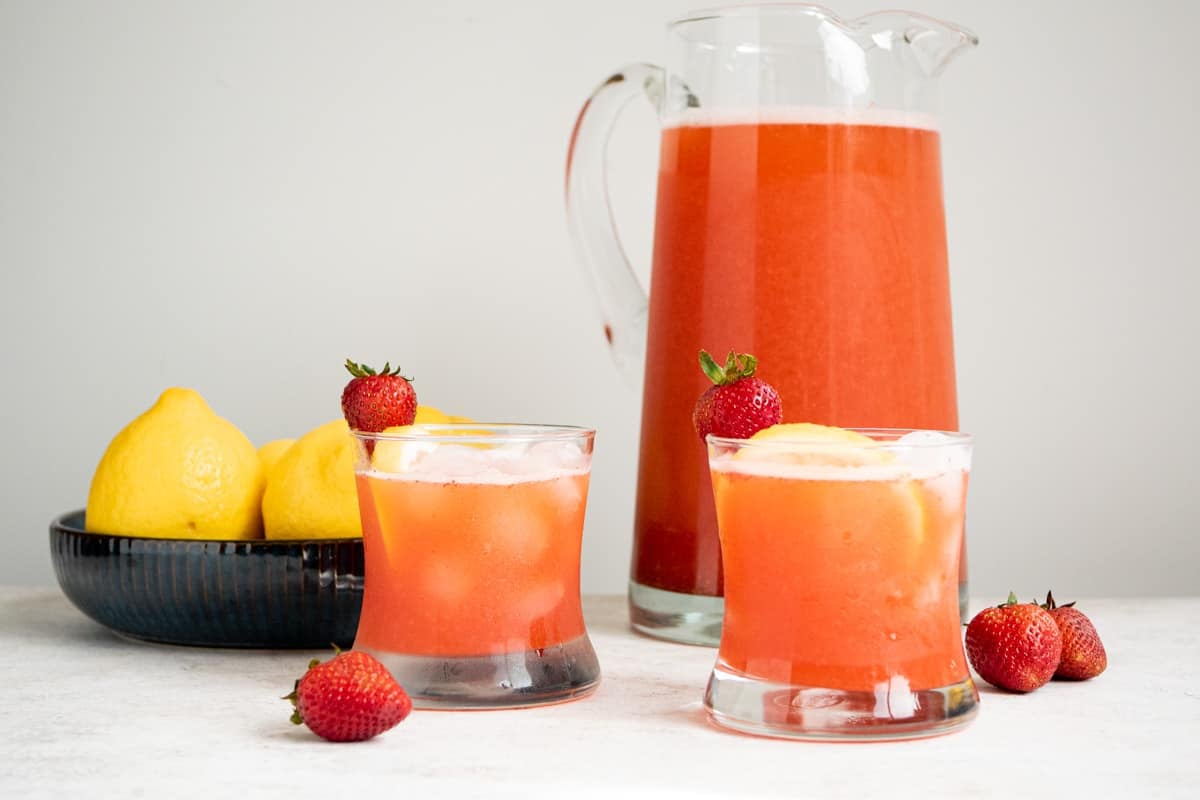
934 43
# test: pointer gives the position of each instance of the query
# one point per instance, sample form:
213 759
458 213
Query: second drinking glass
841 584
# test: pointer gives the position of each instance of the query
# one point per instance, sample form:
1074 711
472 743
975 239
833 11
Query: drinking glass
841 585
472 537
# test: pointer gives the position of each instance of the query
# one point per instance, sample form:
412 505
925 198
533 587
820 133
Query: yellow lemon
310 491
428 415
808 443
809 432
178 471
270 453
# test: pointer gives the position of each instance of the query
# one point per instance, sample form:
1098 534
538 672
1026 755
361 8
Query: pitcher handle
623 301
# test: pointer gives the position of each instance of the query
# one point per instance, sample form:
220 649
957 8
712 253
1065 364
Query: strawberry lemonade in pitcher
799 217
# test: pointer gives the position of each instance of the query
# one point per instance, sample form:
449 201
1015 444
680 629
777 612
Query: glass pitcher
799 218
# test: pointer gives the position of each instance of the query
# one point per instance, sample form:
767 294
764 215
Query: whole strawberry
1083 655
1014 646
373 401
737 405
349 698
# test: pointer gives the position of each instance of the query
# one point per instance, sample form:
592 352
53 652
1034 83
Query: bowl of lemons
193 536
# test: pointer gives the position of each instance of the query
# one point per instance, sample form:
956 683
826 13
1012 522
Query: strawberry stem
711 369
364 371
1050 605
737 366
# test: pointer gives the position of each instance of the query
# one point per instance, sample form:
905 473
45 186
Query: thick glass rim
888 438
479 432
748 10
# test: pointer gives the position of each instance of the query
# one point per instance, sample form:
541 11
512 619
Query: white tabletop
87 713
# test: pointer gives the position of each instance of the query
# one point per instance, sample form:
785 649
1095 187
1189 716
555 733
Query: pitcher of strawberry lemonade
799 218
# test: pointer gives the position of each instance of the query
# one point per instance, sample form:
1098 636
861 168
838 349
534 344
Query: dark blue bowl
260 593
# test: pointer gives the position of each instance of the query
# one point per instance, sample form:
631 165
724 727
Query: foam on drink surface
801 115
503 465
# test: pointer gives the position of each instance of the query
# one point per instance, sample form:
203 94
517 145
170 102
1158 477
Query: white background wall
237 196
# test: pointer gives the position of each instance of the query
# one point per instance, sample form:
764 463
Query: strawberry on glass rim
738 404
373 401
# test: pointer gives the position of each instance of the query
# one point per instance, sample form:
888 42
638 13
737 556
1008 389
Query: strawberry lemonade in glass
472 538
841 556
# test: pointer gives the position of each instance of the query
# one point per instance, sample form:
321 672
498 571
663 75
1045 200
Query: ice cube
895 700
568 495
453 461
540 600
514 459
445 581
559 456
517 533
933 451
542 460
396 456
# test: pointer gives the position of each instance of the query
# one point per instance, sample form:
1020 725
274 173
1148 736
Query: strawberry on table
373 401
737 405
349 698
1083 655
1014 646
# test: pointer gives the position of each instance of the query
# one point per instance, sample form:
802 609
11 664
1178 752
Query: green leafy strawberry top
737 366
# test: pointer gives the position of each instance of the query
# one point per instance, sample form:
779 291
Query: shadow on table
986 688
46 614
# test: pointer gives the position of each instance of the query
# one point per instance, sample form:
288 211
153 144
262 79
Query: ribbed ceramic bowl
264 594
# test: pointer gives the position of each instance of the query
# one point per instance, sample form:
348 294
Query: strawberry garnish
1014 646
373 401
1083 655
349 698
737 405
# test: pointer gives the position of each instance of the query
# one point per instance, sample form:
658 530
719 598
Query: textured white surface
86 713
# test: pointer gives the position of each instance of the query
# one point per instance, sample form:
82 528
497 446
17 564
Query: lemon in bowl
178 471
270 453
310 492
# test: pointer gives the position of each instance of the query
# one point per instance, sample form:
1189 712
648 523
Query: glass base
696 618
502 680
674 616
787 711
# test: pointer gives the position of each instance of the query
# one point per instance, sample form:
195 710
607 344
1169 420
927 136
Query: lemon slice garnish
832 451
891 498
808 443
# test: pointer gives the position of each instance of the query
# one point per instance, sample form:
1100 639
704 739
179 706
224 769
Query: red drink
823 565
467 569
820 247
